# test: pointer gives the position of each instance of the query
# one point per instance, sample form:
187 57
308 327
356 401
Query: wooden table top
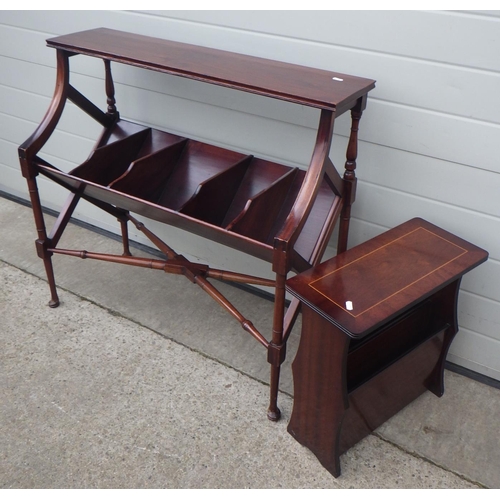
290 82
370 284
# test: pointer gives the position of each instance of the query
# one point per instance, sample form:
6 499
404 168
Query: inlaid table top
364 287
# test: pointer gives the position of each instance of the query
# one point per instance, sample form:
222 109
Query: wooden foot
49 271
54 303
274 414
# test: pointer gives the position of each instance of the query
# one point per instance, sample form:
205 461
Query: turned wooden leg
273 412
125 239
350 180
49 270
277 347
42 241
110 90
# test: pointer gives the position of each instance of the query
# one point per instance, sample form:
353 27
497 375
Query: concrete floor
139 381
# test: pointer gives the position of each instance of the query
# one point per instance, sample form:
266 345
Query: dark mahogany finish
274 212
377 324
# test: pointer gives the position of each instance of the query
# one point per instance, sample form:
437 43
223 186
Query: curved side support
283 245
36 141
27 153
295 221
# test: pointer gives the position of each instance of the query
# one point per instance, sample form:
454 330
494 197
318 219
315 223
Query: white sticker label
348 305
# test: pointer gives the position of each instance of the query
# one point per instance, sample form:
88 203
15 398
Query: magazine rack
377 323
277 213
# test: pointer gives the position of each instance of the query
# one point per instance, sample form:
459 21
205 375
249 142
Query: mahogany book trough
281 214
